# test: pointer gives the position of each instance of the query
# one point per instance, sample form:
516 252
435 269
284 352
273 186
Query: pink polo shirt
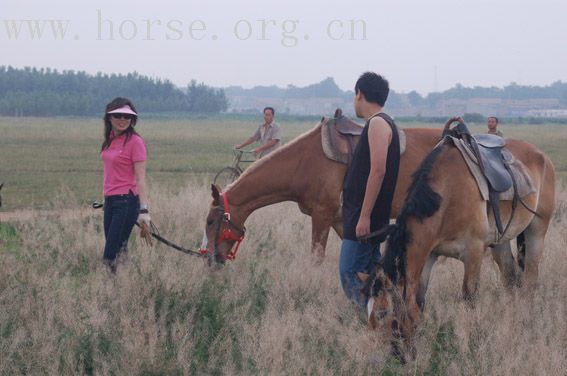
119 158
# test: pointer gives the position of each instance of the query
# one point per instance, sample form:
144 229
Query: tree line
327 88
48 92
513 91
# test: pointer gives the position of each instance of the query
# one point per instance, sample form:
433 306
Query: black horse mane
422 202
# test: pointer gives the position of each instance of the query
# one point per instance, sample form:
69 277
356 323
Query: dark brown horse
300 172
444 214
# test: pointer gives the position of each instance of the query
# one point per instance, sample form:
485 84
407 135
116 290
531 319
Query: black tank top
354 186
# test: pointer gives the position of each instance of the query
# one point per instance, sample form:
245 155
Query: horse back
464 205
541 171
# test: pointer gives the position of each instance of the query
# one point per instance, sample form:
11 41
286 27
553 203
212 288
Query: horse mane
422 202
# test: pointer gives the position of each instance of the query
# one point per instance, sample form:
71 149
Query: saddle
346 126
494 163
340 135
492 158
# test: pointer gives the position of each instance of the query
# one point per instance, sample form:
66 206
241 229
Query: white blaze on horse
301 172
446 214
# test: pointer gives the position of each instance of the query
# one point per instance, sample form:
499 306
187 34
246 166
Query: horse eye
210 222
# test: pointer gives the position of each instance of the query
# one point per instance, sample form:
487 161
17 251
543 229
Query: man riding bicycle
268 134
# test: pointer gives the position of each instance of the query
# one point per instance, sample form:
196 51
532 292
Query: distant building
549 113
297 106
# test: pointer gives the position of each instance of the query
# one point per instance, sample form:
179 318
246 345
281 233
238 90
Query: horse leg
320 227
502 254
532 250
338 226
473 263
521 245
424 282
409 313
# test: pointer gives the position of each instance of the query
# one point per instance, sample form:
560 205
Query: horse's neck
271 179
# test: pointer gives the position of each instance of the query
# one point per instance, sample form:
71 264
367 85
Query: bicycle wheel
226 176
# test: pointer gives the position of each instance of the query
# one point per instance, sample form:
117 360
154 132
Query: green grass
9 238
47 160
44 159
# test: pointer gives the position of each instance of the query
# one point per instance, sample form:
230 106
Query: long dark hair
113 105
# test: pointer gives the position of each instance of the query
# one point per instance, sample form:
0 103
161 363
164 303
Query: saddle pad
336 155
523 181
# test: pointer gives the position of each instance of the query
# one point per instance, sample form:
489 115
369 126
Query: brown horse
300 172
444 214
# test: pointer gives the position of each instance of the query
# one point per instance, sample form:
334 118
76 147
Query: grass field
44 158
272 311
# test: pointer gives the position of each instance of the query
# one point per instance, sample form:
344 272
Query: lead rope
154 232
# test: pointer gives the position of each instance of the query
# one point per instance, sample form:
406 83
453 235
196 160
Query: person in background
492 124
124 156
268 134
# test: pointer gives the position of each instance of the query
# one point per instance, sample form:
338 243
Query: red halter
227 233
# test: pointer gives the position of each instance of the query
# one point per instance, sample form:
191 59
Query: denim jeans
120 215
356 257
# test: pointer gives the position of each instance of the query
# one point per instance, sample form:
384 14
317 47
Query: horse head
222 233
380 307
388 314
387 309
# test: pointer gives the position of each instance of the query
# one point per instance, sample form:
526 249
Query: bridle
226 230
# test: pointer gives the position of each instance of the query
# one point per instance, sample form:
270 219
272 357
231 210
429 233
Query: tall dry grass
272 311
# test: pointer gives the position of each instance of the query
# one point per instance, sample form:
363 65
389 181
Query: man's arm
267 145
379 138
245 143
255 137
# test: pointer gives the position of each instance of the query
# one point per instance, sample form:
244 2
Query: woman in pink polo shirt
125 193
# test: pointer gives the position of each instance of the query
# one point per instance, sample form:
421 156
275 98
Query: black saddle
491 155
490 140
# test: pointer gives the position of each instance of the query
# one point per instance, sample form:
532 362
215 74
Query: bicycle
230 173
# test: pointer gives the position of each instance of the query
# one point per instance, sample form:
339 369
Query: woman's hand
144 218
145 221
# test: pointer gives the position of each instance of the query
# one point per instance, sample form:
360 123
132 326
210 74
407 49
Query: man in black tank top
369 185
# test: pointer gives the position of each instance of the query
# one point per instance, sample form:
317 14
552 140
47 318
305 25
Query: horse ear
215 193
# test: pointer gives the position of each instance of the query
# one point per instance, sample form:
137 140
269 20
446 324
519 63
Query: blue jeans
120 215
357 257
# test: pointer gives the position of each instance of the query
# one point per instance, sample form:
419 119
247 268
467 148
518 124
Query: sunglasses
122 116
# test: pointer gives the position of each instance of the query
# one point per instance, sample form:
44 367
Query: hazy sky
421 45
